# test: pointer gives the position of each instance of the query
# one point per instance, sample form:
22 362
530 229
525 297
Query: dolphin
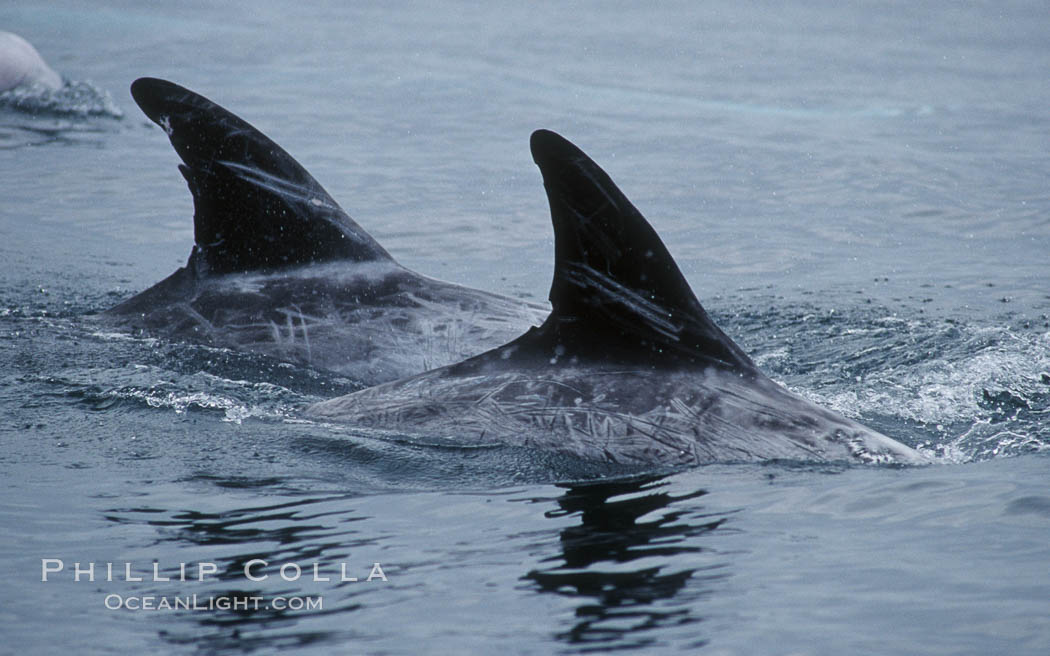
22 65
627 368
278 268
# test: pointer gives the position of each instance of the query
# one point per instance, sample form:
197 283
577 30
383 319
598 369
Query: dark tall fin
254 206
616 288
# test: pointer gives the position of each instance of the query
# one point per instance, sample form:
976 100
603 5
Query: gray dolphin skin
628 367
278 268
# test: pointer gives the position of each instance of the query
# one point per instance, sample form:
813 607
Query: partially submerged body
22 66
628 367
278 268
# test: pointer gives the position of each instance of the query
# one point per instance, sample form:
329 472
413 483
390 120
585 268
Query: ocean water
856 192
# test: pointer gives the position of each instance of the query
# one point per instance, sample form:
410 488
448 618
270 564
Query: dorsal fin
255 208
616 288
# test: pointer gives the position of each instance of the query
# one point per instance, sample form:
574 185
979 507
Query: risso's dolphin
279 268
22 65
628 367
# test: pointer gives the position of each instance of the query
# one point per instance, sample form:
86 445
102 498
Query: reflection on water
303 532
636 563
623 562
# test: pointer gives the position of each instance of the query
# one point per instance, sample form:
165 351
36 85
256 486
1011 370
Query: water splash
76 99
962 392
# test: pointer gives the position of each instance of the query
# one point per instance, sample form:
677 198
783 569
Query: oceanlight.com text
206 603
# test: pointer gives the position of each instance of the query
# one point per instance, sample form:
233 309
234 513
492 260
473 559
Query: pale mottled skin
624 415
371 321
22 65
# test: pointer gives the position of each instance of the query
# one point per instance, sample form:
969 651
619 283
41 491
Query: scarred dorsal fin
255 208
616 289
